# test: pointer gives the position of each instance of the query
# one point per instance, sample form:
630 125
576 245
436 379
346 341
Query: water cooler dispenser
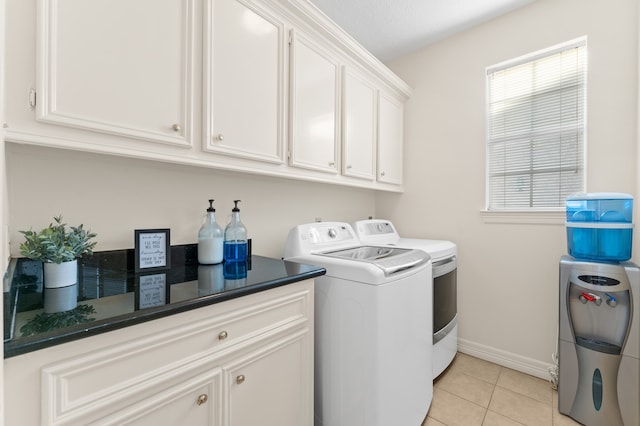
599 331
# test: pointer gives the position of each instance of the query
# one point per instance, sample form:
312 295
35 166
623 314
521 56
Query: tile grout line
493 390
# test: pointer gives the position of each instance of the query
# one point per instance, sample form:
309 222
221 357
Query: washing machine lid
437 249
381 231
389 259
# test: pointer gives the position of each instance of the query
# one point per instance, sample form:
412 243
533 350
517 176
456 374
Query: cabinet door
314 106
195 402
389 140
117 66
244 81
273 386
358 126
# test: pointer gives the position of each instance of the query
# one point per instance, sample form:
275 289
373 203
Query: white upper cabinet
244 81
117 66
389 139
358 126
270 87
314 106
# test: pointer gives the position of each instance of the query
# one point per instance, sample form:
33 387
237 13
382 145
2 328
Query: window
536 129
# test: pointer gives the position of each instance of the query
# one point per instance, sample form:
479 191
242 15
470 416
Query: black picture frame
152 249
152 290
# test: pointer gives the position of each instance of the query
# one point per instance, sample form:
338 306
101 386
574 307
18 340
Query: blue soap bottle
235 238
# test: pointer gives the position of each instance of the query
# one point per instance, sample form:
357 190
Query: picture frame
152 249
151 290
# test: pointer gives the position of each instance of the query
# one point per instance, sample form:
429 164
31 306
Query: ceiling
393 28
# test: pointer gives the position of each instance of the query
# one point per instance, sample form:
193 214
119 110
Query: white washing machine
370 345
444 285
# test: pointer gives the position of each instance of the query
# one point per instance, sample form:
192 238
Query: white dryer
444 284
370 345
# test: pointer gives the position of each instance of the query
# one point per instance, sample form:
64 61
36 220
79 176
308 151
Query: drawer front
75 387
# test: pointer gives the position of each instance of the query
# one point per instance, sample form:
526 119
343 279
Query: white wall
508 273
113 196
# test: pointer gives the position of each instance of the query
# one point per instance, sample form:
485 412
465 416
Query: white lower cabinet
196 401
264 386
242 362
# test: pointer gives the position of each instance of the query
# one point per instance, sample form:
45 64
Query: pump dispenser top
235 237
210 239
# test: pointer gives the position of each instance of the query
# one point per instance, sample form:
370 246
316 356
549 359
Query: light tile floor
476 392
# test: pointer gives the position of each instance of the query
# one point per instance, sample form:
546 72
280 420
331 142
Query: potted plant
59 248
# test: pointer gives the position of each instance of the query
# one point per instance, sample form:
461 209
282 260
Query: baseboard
506 359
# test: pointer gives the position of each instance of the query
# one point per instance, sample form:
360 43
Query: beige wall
508 273
114 195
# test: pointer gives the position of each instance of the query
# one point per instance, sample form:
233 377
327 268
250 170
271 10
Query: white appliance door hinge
32 98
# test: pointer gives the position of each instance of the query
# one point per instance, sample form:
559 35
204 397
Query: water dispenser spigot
586 297
596 299
611 301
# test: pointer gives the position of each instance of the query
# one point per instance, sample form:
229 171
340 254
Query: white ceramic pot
58 275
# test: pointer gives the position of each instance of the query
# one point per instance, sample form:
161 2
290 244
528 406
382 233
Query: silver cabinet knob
349 166
240 379
382 174
202 399
332 163
220 137
223 335
176 127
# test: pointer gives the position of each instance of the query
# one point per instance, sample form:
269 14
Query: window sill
541 217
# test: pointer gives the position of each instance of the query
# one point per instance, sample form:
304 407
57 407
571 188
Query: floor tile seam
550 403
493 388
505 416
482 379
546 405
471 402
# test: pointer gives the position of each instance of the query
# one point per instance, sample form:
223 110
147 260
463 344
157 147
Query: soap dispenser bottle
210 239
235 238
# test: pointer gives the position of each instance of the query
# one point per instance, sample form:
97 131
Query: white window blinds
536 129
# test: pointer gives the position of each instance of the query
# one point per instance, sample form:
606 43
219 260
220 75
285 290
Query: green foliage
56 243
43 322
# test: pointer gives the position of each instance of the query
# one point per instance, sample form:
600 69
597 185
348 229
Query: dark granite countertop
111 296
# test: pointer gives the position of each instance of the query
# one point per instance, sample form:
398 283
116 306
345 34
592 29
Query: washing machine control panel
319 236
329 233
377 231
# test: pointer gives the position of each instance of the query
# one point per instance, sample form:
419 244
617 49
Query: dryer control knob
332 233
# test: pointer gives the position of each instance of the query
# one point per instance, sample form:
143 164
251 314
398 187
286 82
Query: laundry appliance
599 342
372 357
444 286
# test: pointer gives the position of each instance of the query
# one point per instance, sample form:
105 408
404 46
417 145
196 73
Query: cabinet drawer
105 379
